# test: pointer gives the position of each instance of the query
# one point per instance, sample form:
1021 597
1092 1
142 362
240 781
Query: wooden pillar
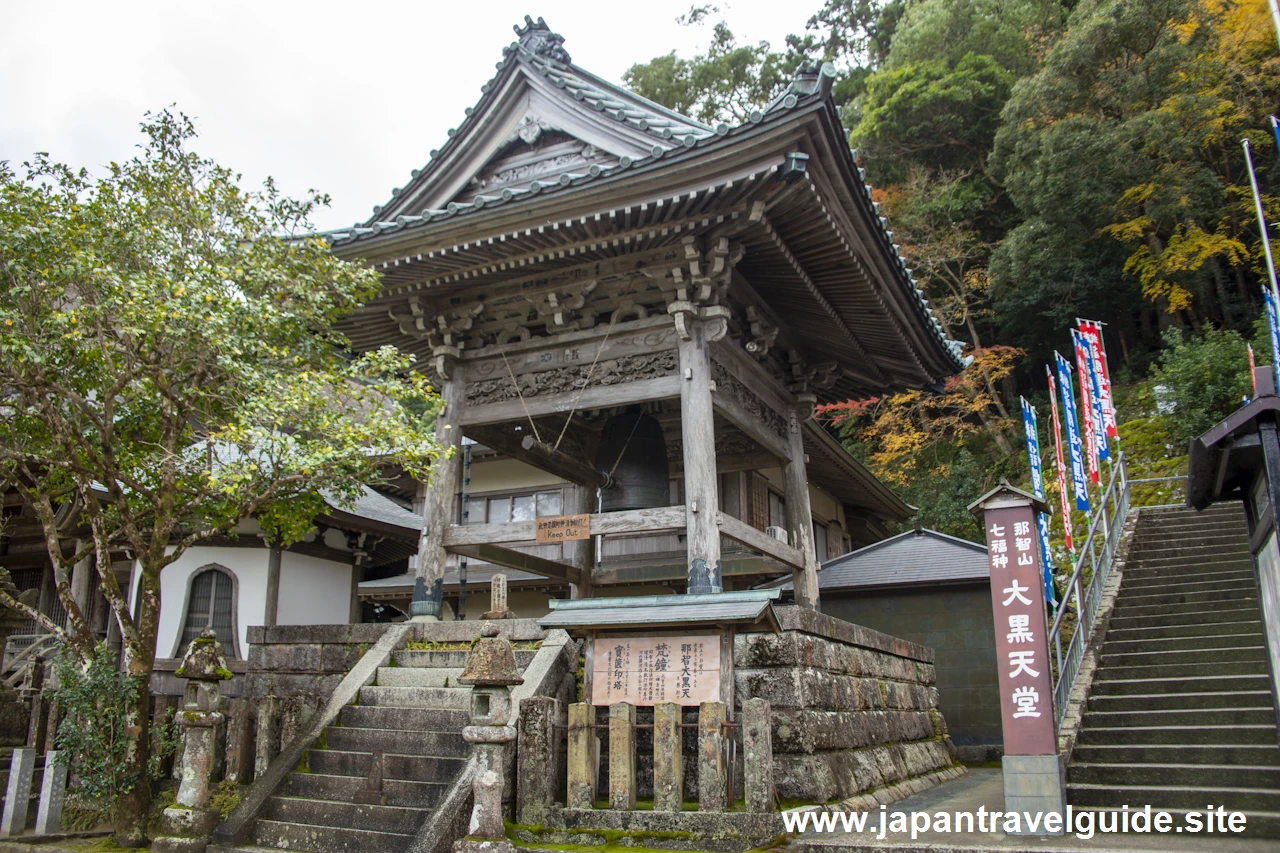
580 553
272 610
799 513
698 433
442 492
357 575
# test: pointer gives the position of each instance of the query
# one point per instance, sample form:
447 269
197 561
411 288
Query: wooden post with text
1031 767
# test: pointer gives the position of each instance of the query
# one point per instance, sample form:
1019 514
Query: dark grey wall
956 622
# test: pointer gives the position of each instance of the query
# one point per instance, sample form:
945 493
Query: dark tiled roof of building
914 557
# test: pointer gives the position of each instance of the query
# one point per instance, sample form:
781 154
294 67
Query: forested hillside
1040 161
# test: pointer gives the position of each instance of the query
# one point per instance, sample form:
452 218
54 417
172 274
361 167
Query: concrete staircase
413 714
1180 713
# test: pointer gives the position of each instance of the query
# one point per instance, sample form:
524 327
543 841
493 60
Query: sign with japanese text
562 528
1022 649
648 670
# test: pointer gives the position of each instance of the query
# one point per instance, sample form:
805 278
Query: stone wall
854 711
956 622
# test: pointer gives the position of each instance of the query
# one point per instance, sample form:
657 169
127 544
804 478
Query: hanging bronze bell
633 448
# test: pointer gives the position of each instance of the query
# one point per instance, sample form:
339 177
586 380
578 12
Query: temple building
633 315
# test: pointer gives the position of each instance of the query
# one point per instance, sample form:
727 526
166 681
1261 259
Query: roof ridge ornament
812 75
537 38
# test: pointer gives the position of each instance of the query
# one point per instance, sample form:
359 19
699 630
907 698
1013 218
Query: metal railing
1096 555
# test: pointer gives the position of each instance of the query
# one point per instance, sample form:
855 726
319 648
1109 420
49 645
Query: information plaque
648 670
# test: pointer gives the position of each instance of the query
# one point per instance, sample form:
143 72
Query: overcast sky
346 98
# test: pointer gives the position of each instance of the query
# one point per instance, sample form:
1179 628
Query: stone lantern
188 824
491 671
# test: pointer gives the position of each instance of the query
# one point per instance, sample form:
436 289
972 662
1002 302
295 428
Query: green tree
1200 379
1122 156
170 368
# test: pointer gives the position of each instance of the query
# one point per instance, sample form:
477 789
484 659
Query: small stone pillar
491 671
622 756
498 598
713 779
582 756
668 758
187 825
757 756
53 794
239 742
13 820
536 759
267 737
33 692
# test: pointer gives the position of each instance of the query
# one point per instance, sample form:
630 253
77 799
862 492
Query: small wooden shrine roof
916 558
630 178
653 611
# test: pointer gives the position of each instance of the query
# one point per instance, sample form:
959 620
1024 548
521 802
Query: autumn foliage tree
170 368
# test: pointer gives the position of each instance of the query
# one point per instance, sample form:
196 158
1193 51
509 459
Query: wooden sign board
647 670
562 528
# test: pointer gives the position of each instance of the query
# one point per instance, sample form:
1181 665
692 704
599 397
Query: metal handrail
1099 553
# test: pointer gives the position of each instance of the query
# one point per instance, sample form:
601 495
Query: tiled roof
674 137
914 557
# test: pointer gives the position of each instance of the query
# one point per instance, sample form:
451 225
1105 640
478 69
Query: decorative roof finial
537 38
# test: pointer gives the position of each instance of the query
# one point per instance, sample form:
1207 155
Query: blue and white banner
1037 486
1074 447
1094 365
1273 323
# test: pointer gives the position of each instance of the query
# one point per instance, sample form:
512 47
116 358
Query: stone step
1224 654
1179 701
412 768
1230 509
1169 632
1253 755
404 719
1181 670
327 839
1209 775
1172 735
414 676
1131 598
450 659
1195 617
451 698
402 742
1173 797
319 786
1185 562
1176 549
1203 582
1207 684
1170 644
1186 572
1129 610
344 815
1261 716
1192 534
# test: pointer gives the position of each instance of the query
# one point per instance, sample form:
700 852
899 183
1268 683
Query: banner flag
1092 330
1253 369
1080 489
1275 130
1273 322
1037 486
1088 426
1095 398
1057 450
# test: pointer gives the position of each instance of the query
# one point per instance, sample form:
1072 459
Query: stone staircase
413 714
1180 713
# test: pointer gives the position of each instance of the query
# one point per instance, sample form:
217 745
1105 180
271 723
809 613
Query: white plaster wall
248 566
508 475
313 591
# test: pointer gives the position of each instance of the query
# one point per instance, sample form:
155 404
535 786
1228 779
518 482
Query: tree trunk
134 808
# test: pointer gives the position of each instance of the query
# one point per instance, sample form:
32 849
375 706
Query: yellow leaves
8 322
